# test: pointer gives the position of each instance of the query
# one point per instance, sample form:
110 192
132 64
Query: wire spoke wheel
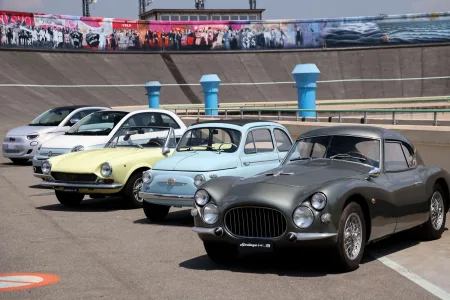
437 210
352 236
136 189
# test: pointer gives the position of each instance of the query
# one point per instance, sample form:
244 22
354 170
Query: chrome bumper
299 236
39 175
82 185
167 199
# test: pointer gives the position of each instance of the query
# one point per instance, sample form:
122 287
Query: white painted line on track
433 289
222 84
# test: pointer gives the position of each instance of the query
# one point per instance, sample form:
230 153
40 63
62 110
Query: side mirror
128 134
165 150
73 121
374 173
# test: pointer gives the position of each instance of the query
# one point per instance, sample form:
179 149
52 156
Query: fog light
194 212
326 218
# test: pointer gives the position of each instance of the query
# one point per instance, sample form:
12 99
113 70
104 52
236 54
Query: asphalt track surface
103 251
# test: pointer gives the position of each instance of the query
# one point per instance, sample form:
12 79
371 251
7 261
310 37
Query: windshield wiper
347 156
301 158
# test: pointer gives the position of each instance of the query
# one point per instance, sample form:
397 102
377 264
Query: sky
275 9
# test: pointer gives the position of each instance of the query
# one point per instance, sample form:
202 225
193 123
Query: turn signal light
108 180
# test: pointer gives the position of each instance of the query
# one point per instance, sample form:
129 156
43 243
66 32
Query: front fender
217 188
125 175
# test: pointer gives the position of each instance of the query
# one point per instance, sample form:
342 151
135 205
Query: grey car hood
308 173
26 130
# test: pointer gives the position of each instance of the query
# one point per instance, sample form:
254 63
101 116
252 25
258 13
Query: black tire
428 230
132 200
344 262
69 199
155 212
19 161
221 253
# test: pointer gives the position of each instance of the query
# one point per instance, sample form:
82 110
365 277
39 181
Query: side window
169 121
249 144
263 140
409 154
81 114
394 159
282 140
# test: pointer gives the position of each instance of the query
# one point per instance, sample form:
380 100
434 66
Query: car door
259 153
407 187
283 142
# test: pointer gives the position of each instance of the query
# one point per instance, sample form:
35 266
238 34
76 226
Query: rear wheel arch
359 199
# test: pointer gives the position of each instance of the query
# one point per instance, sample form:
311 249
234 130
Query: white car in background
95 130
20 144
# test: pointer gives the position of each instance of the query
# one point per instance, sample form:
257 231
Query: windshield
143 137
52 117
210 139
350 148
97 123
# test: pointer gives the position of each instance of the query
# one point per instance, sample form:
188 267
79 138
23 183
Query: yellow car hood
88 161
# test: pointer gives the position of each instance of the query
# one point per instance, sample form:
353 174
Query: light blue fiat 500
208 150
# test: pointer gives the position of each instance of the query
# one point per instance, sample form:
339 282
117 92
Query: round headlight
106 169
147 177
46 167
201 197
199 180
303 217
77 148
210 214
33 136
318 201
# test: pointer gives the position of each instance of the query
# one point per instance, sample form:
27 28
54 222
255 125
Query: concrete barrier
432 142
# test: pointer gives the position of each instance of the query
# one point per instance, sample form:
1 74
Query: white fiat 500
95 130
20 144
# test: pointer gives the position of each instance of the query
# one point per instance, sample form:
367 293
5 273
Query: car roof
78 106
235 123
358 130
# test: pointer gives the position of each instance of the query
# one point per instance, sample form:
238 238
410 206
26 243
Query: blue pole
306 76
153 91
210 84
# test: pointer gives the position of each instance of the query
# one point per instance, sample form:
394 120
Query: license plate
10 146
255 245
70 190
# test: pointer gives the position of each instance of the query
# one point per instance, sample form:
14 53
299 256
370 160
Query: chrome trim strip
81 185
204 230
38 175
165 196
313 236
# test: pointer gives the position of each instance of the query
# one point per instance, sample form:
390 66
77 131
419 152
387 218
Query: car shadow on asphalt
90 205
301 263
180 218
305 262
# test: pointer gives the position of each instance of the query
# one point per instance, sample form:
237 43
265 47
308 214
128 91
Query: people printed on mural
75 33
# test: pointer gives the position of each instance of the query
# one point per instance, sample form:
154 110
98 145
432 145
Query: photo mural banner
46 31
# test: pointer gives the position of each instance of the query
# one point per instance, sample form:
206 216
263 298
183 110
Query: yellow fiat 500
115 170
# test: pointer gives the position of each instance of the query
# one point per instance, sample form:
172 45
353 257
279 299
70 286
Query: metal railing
289 113
223 106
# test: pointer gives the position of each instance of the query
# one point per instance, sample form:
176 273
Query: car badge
171 181
50 154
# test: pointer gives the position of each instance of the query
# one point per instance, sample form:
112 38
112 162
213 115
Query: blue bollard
305 76
210 84
153 88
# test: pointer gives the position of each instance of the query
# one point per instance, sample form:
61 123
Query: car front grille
255 222
72 177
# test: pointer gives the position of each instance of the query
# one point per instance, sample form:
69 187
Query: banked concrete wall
64 71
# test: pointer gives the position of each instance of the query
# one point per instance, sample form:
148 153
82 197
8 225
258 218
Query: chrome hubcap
352 236
136 189
437 210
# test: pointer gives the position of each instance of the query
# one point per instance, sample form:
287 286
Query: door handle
246 164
